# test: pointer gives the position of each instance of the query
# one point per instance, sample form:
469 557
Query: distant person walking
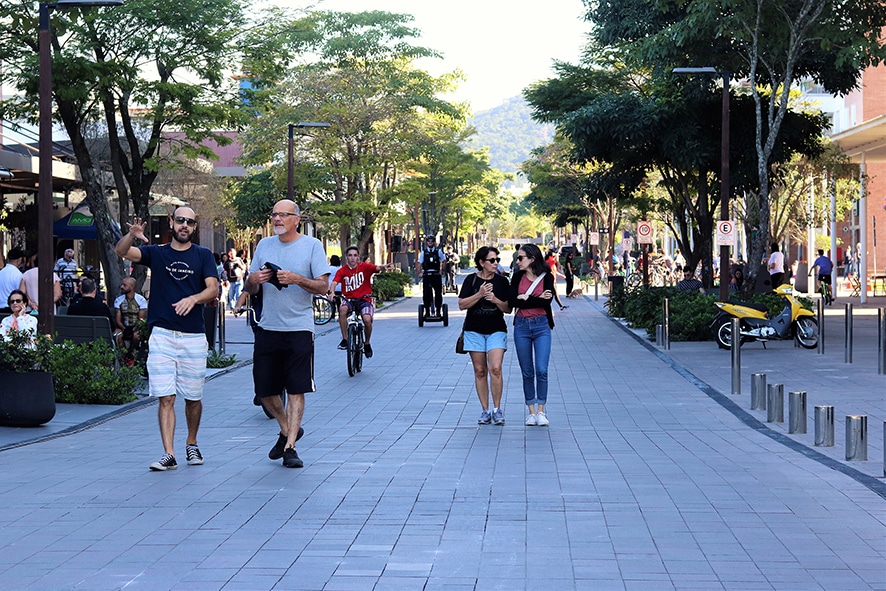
288 268
485 297
183 278
776 266
531 291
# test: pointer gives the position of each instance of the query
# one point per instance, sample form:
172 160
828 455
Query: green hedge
388 285
86 374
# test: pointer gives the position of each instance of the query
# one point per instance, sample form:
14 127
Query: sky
501 46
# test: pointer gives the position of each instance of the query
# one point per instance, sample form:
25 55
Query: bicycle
824 288
356 339
323 310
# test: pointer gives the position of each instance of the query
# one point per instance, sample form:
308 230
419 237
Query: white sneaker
542 420
531 421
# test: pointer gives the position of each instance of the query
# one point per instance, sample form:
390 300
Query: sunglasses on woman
492 260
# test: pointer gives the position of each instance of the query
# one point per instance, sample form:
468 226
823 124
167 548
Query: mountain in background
510 133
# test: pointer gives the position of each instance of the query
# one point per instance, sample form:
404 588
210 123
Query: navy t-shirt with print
177 274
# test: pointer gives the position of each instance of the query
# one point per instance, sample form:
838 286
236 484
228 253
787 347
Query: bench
84 329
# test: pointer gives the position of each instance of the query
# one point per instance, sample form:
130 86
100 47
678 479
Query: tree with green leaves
770 43
150 77
359 76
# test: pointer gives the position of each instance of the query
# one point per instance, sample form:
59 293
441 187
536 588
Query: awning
868 139
80 225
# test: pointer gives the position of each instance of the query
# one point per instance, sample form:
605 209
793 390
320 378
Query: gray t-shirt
290 308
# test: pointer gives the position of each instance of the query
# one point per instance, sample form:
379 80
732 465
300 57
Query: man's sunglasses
180 219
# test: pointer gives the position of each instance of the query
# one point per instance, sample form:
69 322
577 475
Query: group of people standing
487 296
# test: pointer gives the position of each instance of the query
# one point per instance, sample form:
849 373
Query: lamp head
64 4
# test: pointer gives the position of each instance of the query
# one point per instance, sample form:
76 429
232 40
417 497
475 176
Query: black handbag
460 344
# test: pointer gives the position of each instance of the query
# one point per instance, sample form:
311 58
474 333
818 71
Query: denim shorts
474 341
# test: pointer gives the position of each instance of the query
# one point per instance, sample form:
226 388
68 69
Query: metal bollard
797 412
848 355
857 437
824 426
881 341
666 334
758 391
658 338
221 327
596 290
736 357
775 403
820 317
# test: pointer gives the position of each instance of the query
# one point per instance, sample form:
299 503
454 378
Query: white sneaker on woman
531 421
542 420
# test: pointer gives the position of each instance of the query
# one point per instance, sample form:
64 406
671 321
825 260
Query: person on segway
429 266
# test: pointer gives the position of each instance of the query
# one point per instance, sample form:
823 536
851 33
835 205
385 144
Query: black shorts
283 361
825 278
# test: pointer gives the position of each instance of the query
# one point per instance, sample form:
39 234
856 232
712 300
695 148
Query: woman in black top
485 297
569 272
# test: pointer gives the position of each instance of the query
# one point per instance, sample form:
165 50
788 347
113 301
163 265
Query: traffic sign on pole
644 233
726 233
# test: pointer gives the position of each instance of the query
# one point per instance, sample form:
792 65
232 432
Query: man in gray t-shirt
289 268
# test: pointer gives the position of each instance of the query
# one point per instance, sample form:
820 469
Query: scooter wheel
723 334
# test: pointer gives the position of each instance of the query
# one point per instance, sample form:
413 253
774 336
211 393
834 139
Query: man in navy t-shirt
183 278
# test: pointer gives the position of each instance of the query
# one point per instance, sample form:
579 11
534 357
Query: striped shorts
176 363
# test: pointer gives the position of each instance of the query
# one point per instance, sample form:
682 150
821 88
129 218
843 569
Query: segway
433 315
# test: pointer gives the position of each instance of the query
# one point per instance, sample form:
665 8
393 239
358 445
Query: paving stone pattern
642 481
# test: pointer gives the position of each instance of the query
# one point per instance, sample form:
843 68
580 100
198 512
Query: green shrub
691 313
86 374
23 352
388 285
216 360
465 261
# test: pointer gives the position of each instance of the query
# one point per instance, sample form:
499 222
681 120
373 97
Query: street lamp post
45 299
290 175
724 170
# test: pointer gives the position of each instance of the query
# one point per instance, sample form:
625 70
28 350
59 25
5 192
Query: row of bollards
771 399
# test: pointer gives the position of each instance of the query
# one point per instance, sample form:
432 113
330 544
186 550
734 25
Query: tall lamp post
724 170
46 318
290 175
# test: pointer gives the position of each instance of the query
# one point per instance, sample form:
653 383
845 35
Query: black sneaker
195 458
367 350
167 462
277 451
291 459
343 345
256 400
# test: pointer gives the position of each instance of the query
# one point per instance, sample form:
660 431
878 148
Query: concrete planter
26 399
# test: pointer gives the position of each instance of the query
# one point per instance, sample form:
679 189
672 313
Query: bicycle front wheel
322 311
352 350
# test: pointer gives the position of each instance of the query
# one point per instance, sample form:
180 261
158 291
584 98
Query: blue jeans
234 293
532 339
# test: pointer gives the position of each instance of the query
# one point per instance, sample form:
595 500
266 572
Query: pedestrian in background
485 297
531 291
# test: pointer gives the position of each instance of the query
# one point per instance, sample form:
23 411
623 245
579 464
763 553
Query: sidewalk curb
876 485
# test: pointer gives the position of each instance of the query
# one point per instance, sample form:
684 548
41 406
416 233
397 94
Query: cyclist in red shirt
356 290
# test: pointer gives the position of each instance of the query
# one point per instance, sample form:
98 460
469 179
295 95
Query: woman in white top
19 319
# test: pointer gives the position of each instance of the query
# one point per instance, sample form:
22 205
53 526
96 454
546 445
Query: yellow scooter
795 321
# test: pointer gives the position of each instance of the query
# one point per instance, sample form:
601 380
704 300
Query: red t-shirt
355 282
539 289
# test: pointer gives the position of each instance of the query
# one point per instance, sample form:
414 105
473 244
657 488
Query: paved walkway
647 478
